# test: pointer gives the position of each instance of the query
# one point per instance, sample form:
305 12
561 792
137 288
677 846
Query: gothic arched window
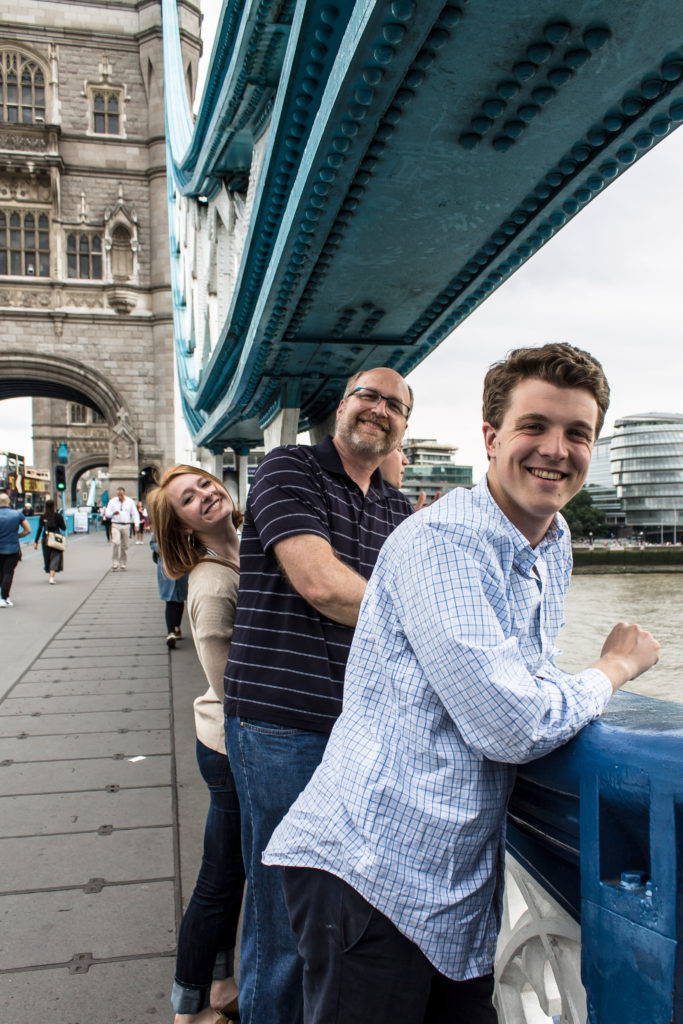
84 256
22 89
106 112
24 244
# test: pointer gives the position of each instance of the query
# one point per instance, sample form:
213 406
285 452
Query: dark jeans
206 940
272 764
360 968
173 611
8 564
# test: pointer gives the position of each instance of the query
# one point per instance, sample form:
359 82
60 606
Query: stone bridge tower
85 302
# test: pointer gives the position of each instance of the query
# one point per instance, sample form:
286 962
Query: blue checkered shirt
450 683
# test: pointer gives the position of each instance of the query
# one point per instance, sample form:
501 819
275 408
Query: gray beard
379 447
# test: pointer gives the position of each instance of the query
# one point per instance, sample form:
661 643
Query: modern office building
431 468
646 465
602 488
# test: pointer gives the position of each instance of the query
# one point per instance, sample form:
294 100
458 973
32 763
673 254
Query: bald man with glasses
316 518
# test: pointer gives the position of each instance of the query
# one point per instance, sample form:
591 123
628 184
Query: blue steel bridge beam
442 148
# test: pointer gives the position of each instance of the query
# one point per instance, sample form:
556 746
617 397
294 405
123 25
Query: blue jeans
206 940
272 764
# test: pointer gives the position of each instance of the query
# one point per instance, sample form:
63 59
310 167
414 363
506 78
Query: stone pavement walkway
102 806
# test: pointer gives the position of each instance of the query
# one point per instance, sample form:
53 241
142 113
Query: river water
654 600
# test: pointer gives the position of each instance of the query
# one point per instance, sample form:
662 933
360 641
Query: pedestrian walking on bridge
121 512
10 550
51 522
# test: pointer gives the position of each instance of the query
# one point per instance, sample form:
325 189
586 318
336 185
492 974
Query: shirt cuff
601 686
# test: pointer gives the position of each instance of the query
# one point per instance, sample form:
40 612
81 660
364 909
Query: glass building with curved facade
646 464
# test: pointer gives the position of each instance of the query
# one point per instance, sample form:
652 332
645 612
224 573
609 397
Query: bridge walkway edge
103 805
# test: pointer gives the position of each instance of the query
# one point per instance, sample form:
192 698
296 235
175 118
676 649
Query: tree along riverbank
613 560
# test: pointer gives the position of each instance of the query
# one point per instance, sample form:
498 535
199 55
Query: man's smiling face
540 454
371 428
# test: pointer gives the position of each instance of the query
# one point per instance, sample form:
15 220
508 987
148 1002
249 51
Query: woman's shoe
171 639
52 579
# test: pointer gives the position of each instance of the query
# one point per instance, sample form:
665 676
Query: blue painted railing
598 824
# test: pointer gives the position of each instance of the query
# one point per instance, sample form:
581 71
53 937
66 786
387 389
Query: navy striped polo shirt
287 661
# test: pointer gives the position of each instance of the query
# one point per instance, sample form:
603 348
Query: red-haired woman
195 524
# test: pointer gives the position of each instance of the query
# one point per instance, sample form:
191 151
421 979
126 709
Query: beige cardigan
211 601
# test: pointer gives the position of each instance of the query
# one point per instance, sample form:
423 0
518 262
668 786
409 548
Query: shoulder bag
56 540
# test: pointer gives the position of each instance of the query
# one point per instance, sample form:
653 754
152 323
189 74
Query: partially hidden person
195 524
173 592
393 855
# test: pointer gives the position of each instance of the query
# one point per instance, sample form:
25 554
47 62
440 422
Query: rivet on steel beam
575 59
403 10
524 70
559 76
538 53
493 107
506 90
393 33
627 154
596 36
556 31
542 94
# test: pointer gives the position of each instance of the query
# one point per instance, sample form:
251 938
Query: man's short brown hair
556 363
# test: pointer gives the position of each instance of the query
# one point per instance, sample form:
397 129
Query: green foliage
584 518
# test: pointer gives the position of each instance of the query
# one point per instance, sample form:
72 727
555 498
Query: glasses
373 397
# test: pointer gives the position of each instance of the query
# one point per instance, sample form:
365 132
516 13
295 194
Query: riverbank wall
589 561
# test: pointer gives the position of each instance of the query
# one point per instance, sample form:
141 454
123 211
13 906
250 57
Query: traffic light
60 477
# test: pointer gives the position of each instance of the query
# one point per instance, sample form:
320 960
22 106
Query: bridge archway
27 374
30 374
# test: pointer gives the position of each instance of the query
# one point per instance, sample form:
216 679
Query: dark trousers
358 967
209 927
8 564
173 611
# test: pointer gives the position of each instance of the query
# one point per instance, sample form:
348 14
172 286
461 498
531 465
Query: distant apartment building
431 468
636 476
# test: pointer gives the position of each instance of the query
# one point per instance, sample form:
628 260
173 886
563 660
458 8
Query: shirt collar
525 556
329 458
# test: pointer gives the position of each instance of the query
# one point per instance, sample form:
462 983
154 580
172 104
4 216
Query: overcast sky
609 282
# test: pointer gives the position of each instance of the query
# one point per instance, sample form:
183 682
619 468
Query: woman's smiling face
200 504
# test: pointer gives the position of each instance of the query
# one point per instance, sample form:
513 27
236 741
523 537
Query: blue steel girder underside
417 155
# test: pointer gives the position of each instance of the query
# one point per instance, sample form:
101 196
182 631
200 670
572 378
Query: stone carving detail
21 187
123 445
90 299
123 300
25 298
24 143
538 961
